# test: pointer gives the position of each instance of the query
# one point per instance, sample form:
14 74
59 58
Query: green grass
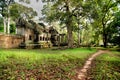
107 67
43 64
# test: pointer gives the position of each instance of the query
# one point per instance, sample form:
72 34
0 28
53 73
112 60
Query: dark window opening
40 38
46 38
30 37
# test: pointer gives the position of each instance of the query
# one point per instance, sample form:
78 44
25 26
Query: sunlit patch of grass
43 64
107 67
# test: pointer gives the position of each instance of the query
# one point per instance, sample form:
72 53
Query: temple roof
40 27
37 27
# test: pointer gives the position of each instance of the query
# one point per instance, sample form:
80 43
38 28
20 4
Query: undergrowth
46 64
106 67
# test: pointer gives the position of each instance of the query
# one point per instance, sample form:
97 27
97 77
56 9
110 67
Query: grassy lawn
41 64
107 67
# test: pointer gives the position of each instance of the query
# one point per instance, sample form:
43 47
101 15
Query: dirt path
82 74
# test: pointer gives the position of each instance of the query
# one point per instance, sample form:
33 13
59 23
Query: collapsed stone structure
31 35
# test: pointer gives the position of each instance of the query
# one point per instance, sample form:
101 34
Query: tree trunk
70 37
104 33
5 27
104 37
69 27
79 37
8 25
105 40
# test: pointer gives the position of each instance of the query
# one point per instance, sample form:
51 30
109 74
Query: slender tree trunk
105 40
8 25
79 37
8 20
5 27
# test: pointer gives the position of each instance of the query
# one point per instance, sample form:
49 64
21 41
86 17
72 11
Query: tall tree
102 14
18 10
65 12
4 11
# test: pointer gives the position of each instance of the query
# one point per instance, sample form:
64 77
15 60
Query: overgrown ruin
31 35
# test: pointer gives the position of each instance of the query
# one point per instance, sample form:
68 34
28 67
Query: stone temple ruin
31 35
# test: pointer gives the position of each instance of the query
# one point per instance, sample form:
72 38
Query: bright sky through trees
37 6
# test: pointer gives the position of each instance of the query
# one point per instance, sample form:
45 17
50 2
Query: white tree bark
8 21
8 26
4 22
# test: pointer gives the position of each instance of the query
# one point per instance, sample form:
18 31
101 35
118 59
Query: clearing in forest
42 64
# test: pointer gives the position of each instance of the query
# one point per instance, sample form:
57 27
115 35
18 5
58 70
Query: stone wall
10 41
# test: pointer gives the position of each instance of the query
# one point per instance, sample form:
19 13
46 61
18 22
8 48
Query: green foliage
1 28
56 10
41 64
65 12
4 7
114 29
1 24
18 10
115 40
12 28
101 13
93 13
